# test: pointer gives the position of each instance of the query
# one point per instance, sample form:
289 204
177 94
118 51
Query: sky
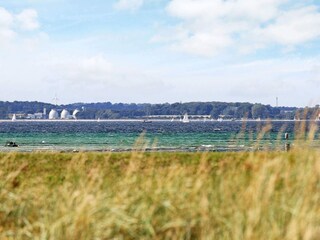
157 51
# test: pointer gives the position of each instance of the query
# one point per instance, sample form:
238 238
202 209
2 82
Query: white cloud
28 20
6 19
96 69
96 78
89 69
6 24
11 24
293 27
129 4
210 26
76 77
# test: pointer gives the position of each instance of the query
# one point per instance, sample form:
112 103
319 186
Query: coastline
157 120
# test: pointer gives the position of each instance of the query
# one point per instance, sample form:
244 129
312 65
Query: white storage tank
65 114
74 114
53 114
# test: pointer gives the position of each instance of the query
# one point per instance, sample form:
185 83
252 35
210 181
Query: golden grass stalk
160 195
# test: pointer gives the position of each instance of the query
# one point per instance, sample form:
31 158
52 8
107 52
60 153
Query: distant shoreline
156 120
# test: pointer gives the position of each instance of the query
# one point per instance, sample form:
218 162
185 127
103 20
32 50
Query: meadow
138 195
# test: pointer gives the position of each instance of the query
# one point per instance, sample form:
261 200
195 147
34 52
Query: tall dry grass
140 195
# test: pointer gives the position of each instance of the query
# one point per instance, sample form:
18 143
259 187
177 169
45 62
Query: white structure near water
185 118
65 115
74 114
53 114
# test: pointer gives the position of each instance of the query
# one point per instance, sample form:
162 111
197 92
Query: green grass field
140 195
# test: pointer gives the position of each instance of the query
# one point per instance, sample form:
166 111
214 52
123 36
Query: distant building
17 115
30 116
38 115
35 116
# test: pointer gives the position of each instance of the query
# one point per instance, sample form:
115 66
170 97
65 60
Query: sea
121 136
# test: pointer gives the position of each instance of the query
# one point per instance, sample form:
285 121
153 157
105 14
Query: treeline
109 110
215 109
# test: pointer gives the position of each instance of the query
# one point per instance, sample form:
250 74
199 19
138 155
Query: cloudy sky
160 51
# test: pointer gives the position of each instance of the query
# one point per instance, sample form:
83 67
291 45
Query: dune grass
138 195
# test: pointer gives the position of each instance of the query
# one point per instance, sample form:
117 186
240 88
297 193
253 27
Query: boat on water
147 121
185 118
14 118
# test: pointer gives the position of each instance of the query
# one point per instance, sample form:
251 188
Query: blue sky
160 51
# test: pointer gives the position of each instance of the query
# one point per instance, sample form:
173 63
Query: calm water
123 136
